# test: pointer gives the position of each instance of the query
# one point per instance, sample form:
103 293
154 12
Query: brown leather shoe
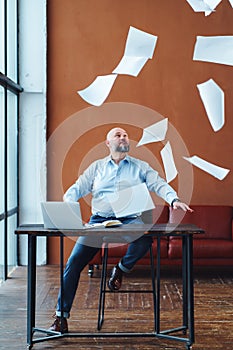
56 326
114 283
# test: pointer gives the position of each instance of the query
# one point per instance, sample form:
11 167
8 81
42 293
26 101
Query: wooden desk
157 231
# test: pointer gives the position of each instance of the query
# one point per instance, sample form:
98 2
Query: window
9 92
2 37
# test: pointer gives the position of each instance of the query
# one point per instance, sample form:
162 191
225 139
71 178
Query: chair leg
90 270
102 288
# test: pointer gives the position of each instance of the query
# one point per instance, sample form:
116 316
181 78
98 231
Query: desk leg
102 288
158 285
184 281
153 283
31 289
61 280
190 289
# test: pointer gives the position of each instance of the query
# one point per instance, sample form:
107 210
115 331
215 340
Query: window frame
9 85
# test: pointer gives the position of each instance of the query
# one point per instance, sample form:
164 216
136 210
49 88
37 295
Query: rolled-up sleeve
82 186
157 184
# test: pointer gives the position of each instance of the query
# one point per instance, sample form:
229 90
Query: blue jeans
85 249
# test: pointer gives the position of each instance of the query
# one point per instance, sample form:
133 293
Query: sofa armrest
215 220
232 229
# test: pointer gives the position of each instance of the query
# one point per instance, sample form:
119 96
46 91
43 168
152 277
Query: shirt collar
109 159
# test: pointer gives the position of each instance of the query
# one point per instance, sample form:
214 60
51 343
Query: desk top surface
150 229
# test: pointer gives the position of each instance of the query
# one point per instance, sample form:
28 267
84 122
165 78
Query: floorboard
123 312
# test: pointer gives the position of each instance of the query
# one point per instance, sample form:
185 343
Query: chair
159 214
106 242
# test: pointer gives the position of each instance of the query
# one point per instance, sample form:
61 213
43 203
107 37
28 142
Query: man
113 173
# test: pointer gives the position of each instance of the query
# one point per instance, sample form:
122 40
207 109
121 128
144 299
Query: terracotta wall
87 39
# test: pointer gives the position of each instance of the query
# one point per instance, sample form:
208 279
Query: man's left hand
183 206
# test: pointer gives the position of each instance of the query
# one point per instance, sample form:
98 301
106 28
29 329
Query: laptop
62 215
132 200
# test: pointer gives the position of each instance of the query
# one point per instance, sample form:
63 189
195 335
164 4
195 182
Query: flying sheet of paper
154 133
139 48
130 201
98 91
216 49
213 99
130 65
140 43
212 169
168 162
199 5
212 4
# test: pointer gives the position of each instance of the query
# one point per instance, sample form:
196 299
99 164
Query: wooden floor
124 312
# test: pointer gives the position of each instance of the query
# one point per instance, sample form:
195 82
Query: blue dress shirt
104 176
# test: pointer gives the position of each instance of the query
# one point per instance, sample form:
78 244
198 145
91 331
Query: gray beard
122 148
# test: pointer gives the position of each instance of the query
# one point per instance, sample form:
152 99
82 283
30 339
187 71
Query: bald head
117 140
114 131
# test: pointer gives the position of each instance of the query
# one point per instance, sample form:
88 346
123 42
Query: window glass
2 30
2 151
1 250
12 39
8 137
11 238
11 150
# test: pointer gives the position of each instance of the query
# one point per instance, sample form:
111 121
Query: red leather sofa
214 247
